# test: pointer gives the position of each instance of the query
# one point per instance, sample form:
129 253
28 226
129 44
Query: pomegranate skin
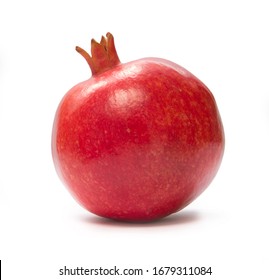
139 141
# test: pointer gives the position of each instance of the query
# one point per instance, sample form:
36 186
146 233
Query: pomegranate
136 141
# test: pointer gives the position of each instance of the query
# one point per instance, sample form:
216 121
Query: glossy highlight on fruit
137 141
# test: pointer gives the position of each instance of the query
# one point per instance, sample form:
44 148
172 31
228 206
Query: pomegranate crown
103 55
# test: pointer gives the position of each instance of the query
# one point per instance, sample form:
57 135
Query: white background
42 229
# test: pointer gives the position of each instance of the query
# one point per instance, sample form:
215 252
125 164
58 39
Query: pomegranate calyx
103 55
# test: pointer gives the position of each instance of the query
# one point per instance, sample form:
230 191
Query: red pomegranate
136 141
